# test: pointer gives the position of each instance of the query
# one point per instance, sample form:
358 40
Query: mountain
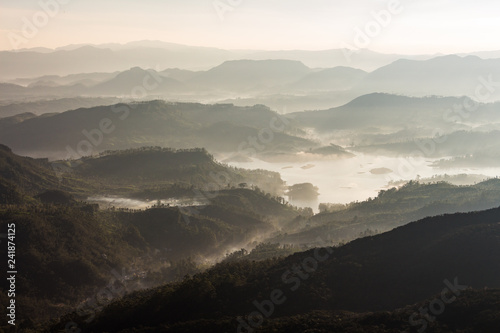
460 316
71 248
149 173
85 131
65 61
43 106
26 174
450 75
250 75
84 78
363 58
485 54
382 113
178 74
462 143
12 120
135 82
215 138
297 102
119 57
273 81
436 257
29 64
254 201
391 208
331 150
161 168
330 79
11 91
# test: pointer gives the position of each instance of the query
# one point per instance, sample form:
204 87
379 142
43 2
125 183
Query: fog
356 179
197 165
120 202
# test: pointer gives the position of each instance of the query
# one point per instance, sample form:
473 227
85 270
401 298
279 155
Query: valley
249 166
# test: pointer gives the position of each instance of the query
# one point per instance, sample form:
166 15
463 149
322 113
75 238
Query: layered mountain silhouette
441 256
118 57
177 125
248 75
450 75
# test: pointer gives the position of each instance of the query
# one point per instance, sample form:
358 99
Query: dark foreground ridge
356 287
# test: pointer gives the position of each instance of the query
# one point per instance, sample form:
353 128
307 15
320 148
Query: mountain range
438 258
150 54
265 80
218 128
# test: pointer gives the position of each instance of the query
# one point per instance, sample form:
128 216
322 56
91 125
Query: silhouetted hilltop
383 272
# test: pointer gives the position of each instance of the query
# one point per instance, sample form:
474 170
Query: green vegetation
304 191
392 208
164 171
70 248
150 173
217 128
332 150
377 273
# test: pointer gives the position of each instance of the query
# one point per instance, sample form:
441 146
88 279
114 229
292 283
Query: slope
383 272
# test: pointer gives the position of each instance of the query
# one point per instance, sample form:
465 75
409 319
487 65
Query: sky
387 26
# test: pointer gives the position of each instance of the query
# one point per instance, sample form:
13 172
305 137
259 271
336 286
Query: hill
151 173
330 79
155 169
250 75
86 131
449 75
379 273
382 111
87 79
28 175
476 146
385 123
64 61
50 106
390 209
11 91
117 57
70 248
133 81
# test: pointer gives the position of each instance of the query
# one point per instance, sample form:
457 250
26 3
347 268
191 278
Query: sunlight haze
422 27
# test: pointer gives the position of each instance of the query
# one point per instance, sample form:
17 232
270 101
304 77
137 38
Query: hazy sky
420 26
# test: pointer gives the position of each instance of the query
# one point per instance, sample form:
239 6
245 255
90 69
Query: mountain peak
378 99
4 148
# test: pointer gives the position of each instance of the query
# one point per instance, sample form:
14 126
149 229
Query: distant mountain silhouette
88 58
87 79
381 110
450 75
53 105
176 125
178 74
136 82
71 59
330 79
250 75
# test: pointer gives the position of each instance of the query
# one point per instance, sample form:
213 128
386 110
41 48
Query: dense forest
150 186
363 285
105 262
71 248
